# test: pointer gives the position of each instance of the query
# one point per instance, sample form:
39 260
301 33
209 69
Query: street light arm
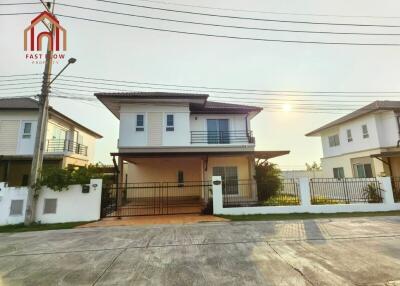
70 61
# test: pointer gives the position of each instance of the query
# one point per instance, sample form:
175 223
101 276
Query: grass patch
269 217
39 227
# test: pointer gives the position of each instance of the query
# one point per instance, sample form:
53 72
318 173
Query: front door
218 131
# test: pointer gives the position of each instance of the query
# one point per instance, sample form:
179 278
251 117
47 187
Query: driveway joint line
109 266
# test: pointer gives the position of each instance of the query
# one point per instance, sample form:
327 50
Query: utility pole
41 129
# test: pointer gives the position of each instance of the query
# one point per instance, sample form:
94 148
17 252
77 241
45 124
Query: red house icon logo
35 43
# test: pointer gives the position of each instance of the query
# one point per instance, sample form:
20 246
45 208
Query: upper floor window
170 122
334 140
27 130
365 131
139 122
349 136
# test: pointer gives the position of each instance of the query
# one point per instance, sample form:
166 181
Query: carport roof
257 154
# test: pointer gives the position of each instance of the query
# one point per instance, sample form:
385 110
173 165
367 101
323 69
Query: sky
130 54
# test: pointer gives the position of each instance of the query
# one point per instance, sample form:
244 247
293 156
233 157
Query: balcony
222 137
61 146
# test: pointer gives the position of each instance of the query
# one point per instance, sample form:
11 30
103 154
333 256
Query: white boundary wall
305 202
72 205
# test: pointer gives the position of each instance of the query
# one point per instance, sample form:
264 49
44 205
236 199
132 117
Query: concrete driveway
355 251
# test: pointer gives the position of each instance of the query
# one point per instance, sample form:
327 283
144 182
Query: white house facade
364 143
67 142
180 138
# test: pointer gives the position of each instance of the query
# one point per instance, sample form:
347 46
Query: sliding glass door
218 131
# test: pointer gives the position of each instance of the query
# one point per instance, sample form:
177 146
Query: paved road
356 251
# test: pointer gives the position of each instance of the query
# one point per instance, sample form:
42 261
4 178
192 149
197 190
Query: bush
59 179
372 194
268 180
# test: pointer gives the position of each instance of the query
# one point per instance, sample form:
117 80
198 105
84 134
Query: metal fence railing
241 193
156 198
396 189
345 191
65 145
221 137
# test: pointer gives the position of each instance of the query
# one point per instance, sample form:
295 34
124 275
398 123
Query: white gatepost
305 196
386 185
217 194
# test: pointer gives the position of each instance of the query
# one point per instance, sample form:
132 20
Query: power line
21 13
269 12
230 37
19 75
247 18
228 26
302 92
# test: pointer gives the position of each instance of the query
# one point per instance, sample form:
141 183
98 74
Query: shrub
268 180
372 194
59 179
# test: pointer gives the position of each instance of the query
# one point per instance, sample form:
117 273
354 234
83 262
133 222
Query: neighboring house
178 137
364 143
67 143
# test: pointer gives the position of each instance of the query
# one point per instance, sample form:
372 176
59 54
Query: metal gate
158 198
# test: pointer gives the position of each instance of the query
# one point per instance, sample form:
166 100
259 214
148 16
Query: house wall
241 162
11 131
72 204
395 164
129 137
382 129
155 133
164 170
11 141
345 161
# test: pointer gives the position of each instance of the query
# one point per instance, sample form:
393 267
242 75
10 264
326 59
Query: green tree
313 167
268 178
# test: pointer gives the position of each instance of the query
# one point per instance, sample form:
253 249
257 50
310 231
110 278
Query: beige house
180 138
67 142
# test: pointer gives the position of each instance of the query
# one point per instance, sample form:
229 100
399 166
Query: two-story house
67 143
179 137
364 143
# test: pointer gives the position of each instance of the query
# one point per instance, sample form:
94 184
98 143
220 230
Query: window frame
26 135
364 170
349 135
169 127
140 128
334 142
365 131
338 173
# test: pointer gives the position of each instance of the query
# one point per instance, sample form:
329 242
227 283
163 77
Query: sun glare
286 107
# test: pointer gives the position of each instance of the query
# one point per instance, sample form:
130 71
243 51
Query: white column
386 185
305 195
217 194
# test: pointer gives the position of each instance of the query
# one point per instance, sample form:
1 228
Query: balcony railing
60 146
221 137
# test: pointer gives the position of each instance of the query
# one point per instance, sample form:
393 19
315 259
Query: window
365 131
363 170
16 207
218 131
170 122
27 130
349 136
180 178
229 177
338 173
334 140
50 206
139 122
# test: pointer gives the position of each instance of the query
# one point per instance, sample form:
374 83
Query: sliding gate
155 199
